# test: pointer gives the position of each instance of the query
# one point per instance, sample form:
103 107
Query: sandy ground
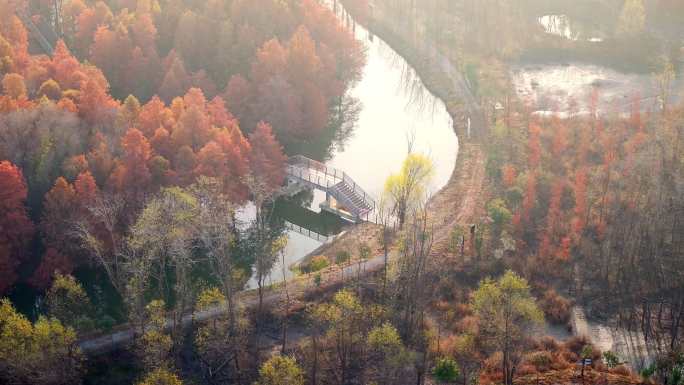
461 201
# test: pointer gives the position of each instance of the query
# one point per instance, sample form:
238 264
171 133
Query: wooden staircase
350 197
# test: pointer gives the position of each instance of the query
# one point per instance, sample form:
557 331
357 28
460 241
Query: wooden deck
349 200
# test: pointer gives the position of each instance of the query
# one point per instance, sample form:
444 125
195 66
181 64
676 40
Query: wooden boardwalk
349 199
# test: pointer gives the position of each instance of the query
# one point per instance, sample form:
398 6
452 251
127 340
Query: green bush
610 359
446 370
318 263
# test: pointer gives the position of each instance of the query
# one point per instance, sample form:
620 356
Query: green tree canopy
446 370
407 188
42 353
68 302
161 377
507 313
281 370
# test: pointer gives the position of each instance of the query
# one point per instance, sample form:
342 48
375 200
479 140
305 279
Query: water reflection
557 87
563 26
367 139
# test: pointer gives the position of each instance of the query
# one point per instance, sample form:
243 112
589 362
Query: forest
145 154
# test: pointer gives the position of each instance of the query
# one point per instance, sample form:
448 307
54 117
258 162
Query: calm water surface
395 108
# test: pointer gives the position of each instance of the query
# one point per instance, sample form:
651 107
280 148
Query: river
395 107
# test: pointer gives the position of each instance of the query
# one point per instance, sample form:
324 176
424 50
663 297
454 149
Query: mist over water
395 109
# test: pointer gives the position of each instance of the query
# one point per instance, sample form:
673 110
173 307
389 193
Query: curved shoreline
460 200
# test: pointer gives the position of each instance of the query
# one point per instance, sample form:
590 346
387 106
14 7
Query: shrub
570 356
318 263
468 324
621 370
446 370
492 365
576 344
611 359
526 370
556 308
463 310
342 257
549 343
455 239
648 371
540 360
499 213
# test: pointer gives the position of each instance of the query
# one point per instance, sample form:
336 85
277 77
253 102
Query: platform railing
327 178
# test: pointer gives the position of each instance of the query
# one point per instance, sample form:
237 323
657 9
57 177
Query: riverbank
439 75
460 202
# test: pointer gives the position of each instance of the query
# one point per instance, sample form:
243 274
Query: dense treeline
595 202
286 63
124 157
74 154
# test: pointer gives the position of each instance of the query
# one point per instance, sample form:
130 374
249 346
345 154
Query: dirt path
461 201
298 288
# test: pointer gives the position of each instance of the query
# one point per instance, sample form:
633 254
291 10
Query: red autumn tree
59 210
270 61
238 97
211 161
95 105
195 98
16 229
13 85
184 163
51 262
87 24
303 64
162 144
237 151
154 115
144 32
533 146
65 68
580 187
86 188
219 116
111 48
560 140
508 175
193 128
267 160
100 160
553 218
134 172
530 198
175 82
142 73
74 166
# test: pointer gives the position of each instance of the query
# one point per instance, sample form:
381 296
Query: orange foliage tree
16 229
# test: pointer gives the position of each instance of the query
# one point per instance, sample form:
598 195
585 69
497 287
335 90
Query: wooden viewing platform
343 196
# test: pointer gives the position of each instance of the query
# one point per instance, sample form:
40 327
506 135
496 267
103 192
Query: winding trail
298 288
459 202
